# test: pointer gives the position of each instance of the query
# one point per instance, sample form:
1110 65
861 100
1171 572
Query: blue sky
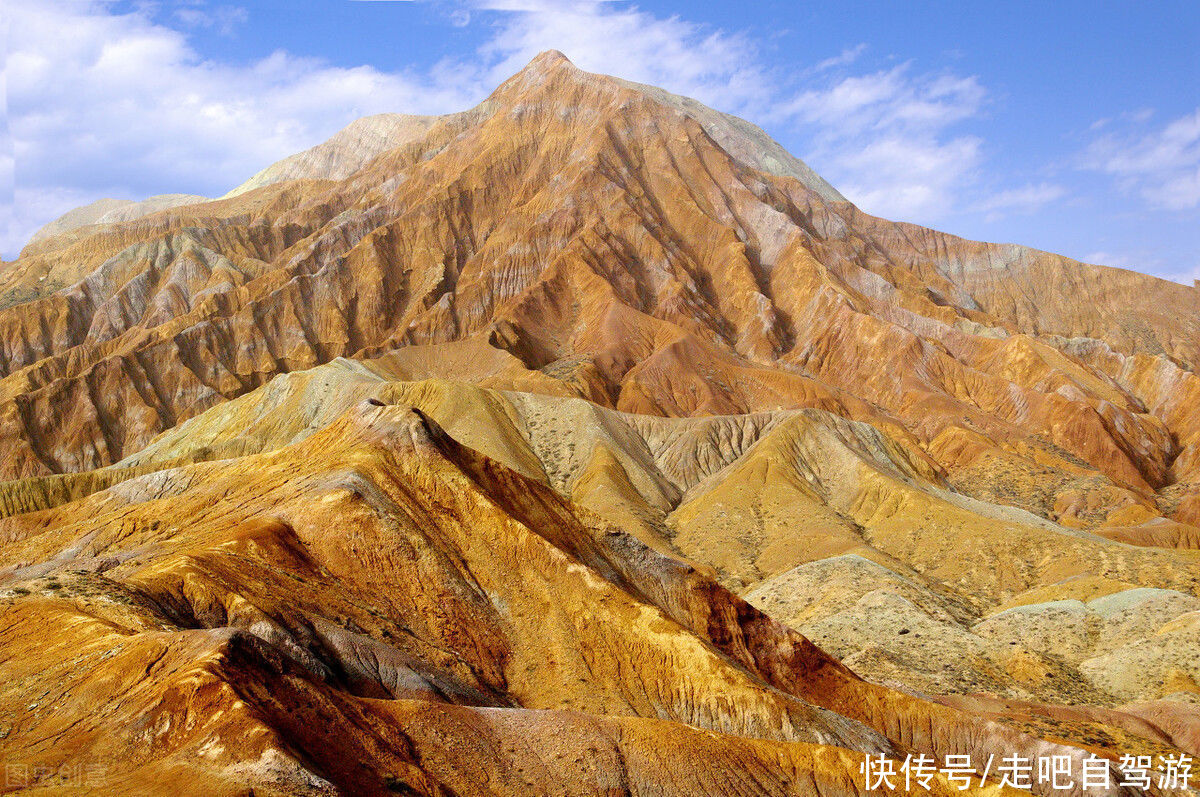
1068 126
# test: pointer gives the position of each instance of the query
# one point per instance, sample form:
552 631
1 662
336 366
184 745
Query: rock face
434 460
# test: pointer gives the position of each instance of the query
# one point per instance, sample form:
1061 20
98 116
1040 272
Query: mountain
345 153
530 449
113 211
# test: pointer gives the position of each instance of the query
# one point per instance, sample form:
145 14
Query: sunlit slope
630 247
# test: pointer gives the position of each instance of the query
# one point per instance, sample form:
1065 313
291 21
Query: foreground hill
377 608
435 458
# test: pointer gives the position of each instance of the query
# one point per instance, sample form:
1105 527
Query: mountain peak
543 65
549 59
550 72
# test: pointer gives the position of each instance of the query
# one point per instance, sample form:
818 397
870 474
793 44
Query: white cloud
223 19
886 140
892 98
1026 199
1162 166
845 58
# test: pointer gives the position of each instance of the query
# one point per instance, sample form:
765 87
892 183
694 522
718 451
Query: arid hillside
583 442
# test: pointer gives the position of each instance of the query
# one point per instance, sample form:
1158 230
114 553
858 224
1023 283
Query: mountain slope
345 153
113 211
452 580
673 365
